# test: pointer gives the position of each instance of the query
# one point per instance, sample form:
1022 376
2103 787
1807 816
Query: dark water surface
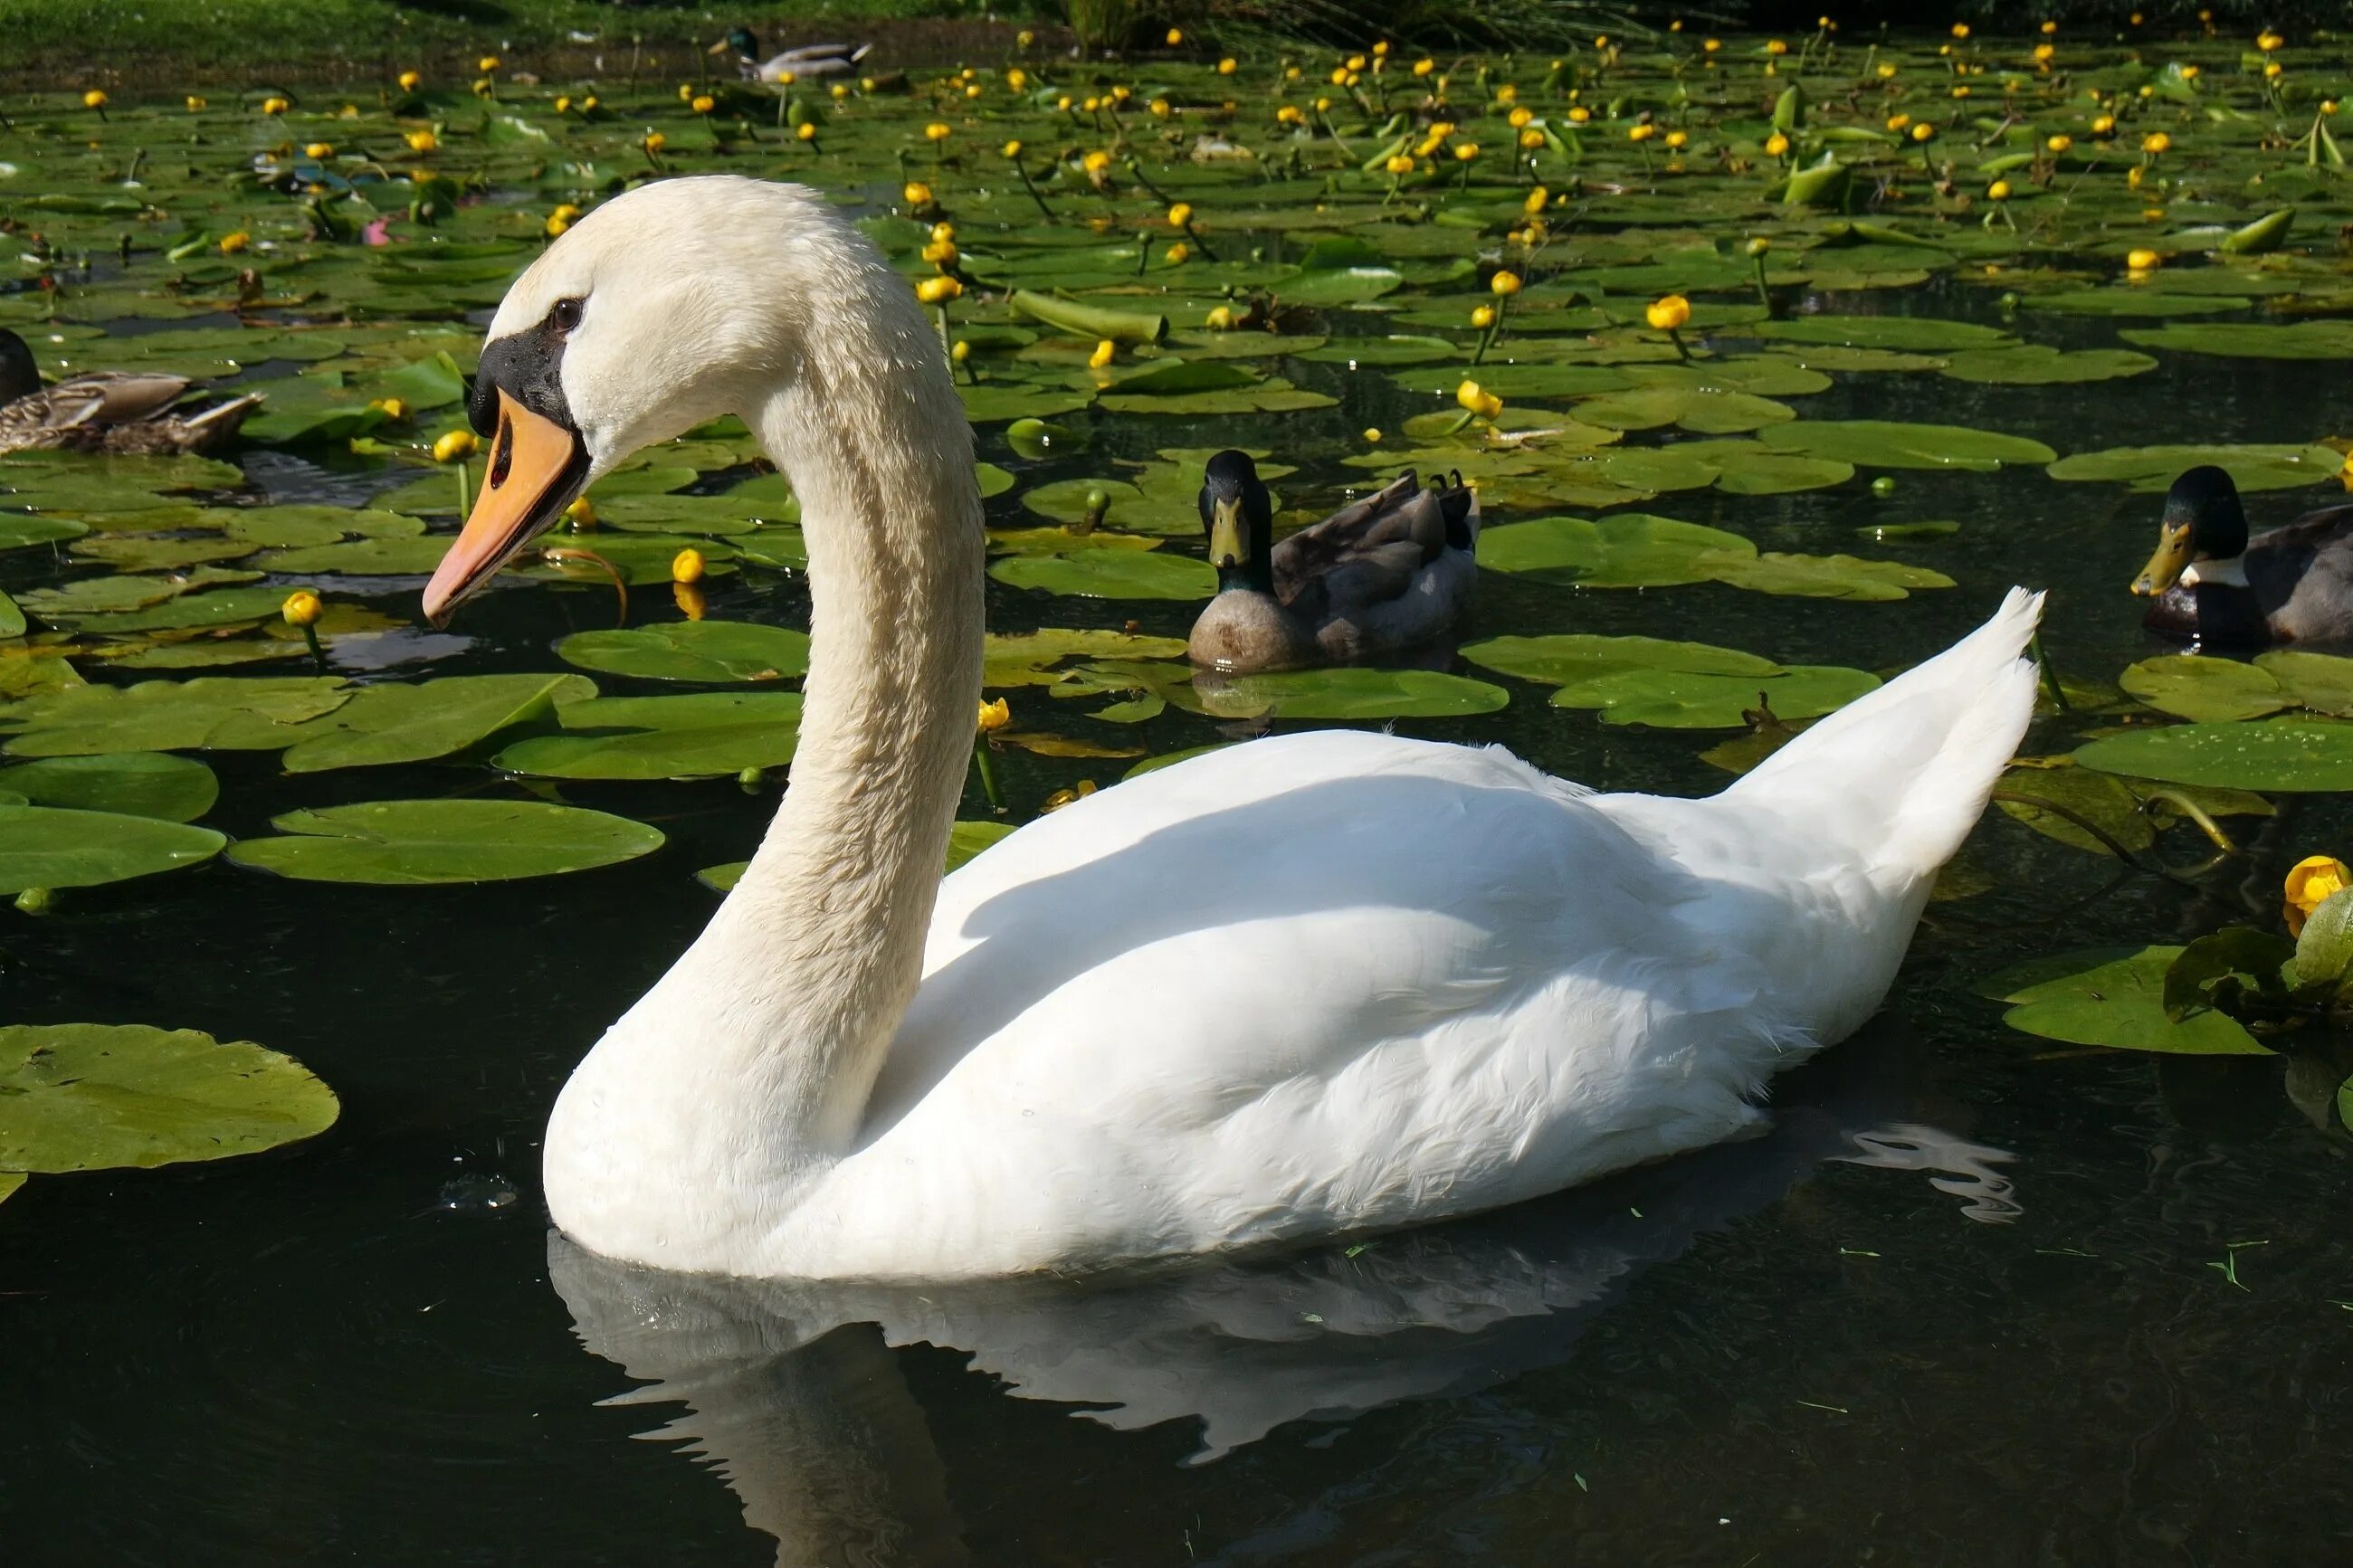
1960 1307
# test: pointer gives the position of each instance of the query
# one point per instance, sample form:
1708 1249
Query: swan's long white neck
745 1072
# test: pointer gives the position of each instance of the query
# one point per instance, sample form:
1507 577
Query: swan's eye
565 315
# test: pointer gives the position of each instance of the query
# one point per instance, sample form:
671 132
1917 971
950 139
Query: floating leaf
1347 693
663 737
383 724
2115 998
131 783
712 651
166 715
91 1097
1709 411
2037 364
44 846
2315 339
2152 469
1684 699
418 842
2272 756
1111 574
2190 686
1907 333
1880 444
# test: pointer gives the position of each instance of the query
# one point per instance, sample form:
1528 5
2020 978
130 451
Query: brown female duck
105 410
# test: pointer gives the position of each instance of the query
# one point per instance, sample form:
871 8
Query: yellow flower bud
1227 66
455 447
588 103
1465 151
1482 316
93 99
2103 125
411 81
275 106
1960 30
1399 164
1180 214
655 141
1013 149
2312 882
2156 142
1373 433
1923 131
1424 66
233 242
563 103
2268 41
2060 144
687 566
1176 36
1536 201
805 131
1159 108
422 140
487 64
702 103
1644 132
1998 191
1886 71
1676 138
1668 313
1711 45
916 194
936 132
1179 252
939 291
1776 47
1776 145
994 716
1578 114
1025 37
195 105
1105 350
2144 260
941 253
302 608
1503 284
1220 319
1474 399
581 514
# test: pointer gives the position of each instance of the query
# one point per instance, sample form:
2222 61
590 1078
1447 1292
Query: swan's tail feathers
1899 776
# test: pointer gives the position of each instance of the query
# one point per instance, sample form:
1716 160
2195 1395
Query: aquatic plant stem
986 767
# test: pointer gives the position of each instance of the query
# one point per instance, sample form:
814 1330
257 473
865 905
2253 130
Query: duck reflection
794 1394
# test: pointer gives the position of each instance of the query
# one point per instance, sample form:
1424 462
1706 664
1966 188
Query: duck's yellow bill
536 469
2165 568
1226 534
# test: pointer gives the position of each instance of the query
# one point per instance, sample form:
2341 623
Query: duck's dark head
742 42
20 376
2203 521
1239 517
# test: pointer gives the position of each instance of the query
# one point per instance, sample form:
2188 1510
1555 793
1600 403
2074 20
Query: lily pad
2313 340
1882 443
697 736
409 843
712 652
45 846
390 723
2151 470
2038 365
2188 686
166 715
1348 693
1111 574
1912 333
2113 997
1684 699
91 1097
131 783
2300 755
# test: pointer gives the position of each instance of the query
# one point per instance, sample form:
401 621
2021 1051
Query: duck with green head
799 64
2210 582
1391 571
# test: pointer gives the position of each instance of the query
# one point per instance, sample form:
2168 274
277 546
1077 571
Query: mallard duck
809 60
2208 584
105 410
1307 985
1393 571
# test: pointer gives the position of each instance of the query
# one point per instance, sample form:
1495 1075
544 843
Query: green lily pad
166 715
2151 470
997 401
712 651
1824 576
131 783
12 620
2129 301
1397 348
1707 411
18 529
2217 689
1912 333
91 1097
1111 574
1567 658
1348 693
1880 444
44 846
1684 699
412 557
697 736
409 843
2038 365
1627 550
2113 997
2286 756
389 723
2313 340
2320 681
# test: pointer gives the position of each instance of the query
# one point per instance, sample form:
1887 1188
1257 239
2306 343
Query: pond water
1978 1297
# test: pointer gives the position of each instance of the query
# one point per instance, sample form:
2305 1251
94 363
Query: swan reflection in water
794 1396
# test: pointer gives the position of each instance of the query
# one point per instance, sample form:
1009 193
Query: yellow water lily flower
393 409
1105 350
195 105
1503 284
1373 434
939 291
1012 149
302 608
1644 132
1220 319
1227 66
235 241
1399 164
1538 200
1776 145
702 103
1998 191
318 150
1668 313
1482 316
2060 144
410 81
805 131
1923 131
994 716
275 106
915 194
455 447
1475 399
687 566
941 253
936 132
655 141
94 98
422 140
2156 142
2144 260
2312 882
1180 214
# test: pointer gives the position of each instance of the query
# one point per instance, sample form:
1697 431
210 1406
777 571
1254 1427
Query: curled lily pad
133 783
710 651
2272 756
697 736
418 842
45 846
2115 998
89 1097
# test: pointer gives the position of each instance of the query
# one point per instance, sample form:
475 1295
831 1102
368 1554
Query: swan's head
670 305
2203 521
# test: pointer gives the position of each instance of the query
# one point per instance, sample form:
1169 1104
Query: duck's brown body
105 411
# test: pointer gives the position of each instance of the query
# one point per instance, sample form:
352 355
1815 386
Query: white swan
1316 984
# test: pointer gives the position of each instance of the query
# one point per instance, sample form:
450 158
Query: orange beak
537 468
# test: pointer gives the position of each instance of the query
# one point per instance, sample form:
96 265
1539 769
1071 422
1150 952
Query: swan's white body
1310 985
